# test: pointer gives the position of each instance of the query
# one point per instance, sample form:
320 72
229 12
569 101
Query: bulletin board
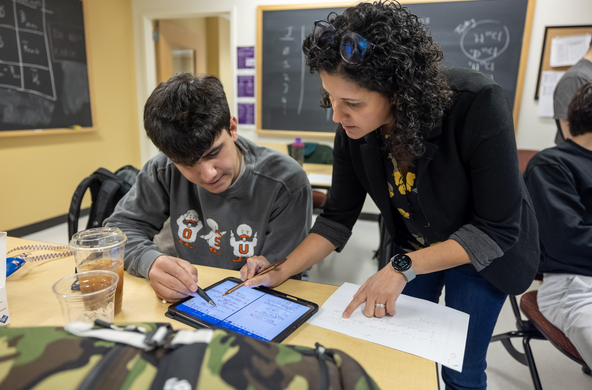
550 33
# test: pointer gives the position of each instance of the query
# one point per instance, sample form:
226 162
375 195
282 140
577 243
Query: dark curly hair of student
403 67
185 115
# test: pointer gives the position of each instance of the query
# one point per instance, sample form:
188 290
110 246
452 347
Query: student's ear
233 128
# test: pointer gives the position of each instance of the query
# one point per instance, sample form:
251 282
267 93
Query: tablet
261 313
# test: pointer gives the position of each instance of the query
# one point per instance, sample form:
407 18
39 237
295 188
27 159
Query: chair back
524 156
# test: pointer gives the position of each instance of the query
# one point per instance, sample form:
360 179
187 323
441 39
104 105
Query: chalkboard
44 82
487 36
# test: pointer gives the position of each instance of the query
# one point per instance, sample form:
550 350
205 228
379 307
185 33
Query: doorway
195 45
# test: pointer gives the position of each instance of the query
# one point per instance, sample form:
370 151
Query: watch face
401 262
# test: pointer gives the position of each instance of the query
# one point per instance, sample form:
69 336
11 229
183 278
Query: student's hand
172 278
253 266
384 287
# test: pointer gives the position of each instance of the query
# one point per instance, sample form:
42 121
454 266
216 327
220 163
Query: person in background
574 78
227 198
436 151
560 183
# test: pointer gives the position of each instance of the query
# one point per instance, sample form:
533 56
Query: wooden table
32 303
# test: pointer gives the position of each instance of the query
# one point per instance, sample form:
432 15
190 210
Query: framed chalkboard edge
94 127
523 61
295 133
259 56
24 133
259 66
93 116
544 53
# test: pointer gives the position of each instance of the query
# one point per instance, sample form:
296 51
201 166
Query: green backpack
154 356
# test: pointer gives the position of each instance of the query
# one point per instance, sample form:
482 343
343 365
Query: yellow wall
38 174
224 64
195 25
213 46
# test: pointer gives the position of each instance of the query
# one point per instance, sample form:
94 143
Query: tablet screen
247 311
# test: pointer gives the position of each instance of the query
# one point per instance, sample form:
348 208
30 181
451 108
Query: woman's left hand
384 287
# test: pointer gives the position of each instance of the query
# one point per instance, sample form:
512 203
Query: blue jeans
469 292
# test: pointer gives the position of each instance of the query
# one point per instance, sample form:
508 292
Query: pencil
264 271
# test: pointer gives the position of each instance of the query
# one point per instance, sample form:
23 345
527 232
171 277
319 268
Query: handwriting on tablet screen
247 311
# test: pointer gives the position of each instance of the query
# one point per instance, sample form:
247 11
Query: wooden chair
536 327
524 156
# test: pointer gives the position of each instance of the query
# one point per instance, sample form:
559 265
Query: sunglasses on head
353 47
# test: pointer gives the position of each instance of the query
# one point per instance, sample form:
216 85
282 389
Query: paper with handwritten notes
419 327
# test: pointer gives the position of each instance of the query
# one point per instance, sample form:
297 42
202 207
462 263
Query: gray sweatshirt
266 211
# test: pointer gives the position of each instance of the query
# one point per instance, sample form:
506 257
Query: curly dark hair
184 116
579 111
403 67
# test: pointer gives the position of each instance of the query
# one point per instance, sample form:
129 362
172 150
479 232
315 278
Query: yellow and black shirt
405 202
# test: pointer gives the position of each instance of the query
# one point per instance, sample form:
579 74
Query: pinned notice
549 81
566 51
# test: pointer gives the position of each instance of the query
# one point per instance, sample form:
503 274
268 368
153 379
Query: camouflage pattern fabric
51 358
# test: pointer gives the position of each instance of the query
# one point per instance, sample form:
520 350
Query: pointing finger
357 301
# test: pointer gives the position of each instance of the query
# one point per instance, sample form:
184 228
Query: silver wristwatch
402 264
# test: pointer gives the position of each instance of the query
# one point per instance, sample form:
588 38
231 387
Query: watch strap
409 274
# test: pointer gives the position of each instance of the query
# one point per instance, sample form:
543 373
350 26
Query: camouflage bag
153 356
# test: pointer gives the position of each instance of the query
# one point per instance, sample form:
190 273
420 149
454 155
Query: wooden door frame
170 34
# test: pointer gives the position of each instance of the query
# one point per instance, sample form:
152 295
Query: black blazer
469 175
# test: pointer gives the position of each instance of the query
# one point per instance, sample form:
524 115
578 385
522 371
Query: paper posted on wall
567 50
419 327
4 316
549 80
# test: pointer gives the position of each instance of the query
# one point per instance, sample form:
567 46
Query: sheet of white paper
317 178
566 51
420 327
549 80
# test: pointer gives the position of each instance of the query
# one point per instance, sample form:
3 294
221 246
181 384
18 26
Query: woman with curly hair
436 151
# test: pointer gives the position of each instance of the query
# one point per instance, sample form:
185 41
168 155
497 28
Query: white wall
533 132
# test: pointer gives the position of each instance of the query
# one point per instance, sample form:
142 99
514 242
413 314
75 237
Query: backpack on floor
106 189
153 356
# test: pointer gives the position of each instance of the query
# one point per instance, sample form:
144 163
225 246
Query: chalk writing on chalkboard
43 68
486 36
482 42
25 62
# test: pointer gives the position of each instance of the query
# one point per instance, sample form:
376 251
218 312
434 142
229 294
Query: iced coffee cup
101 249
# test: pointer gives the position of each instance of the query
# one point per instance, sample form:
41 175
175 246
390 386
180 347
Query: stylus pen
205 296
264 271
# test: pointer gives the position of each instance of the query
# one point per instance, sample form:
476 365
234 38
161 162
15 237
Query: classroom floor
355 264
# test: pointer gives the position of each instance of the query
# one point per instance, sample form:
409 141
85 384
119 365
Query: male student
228 199
559 180
574 78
